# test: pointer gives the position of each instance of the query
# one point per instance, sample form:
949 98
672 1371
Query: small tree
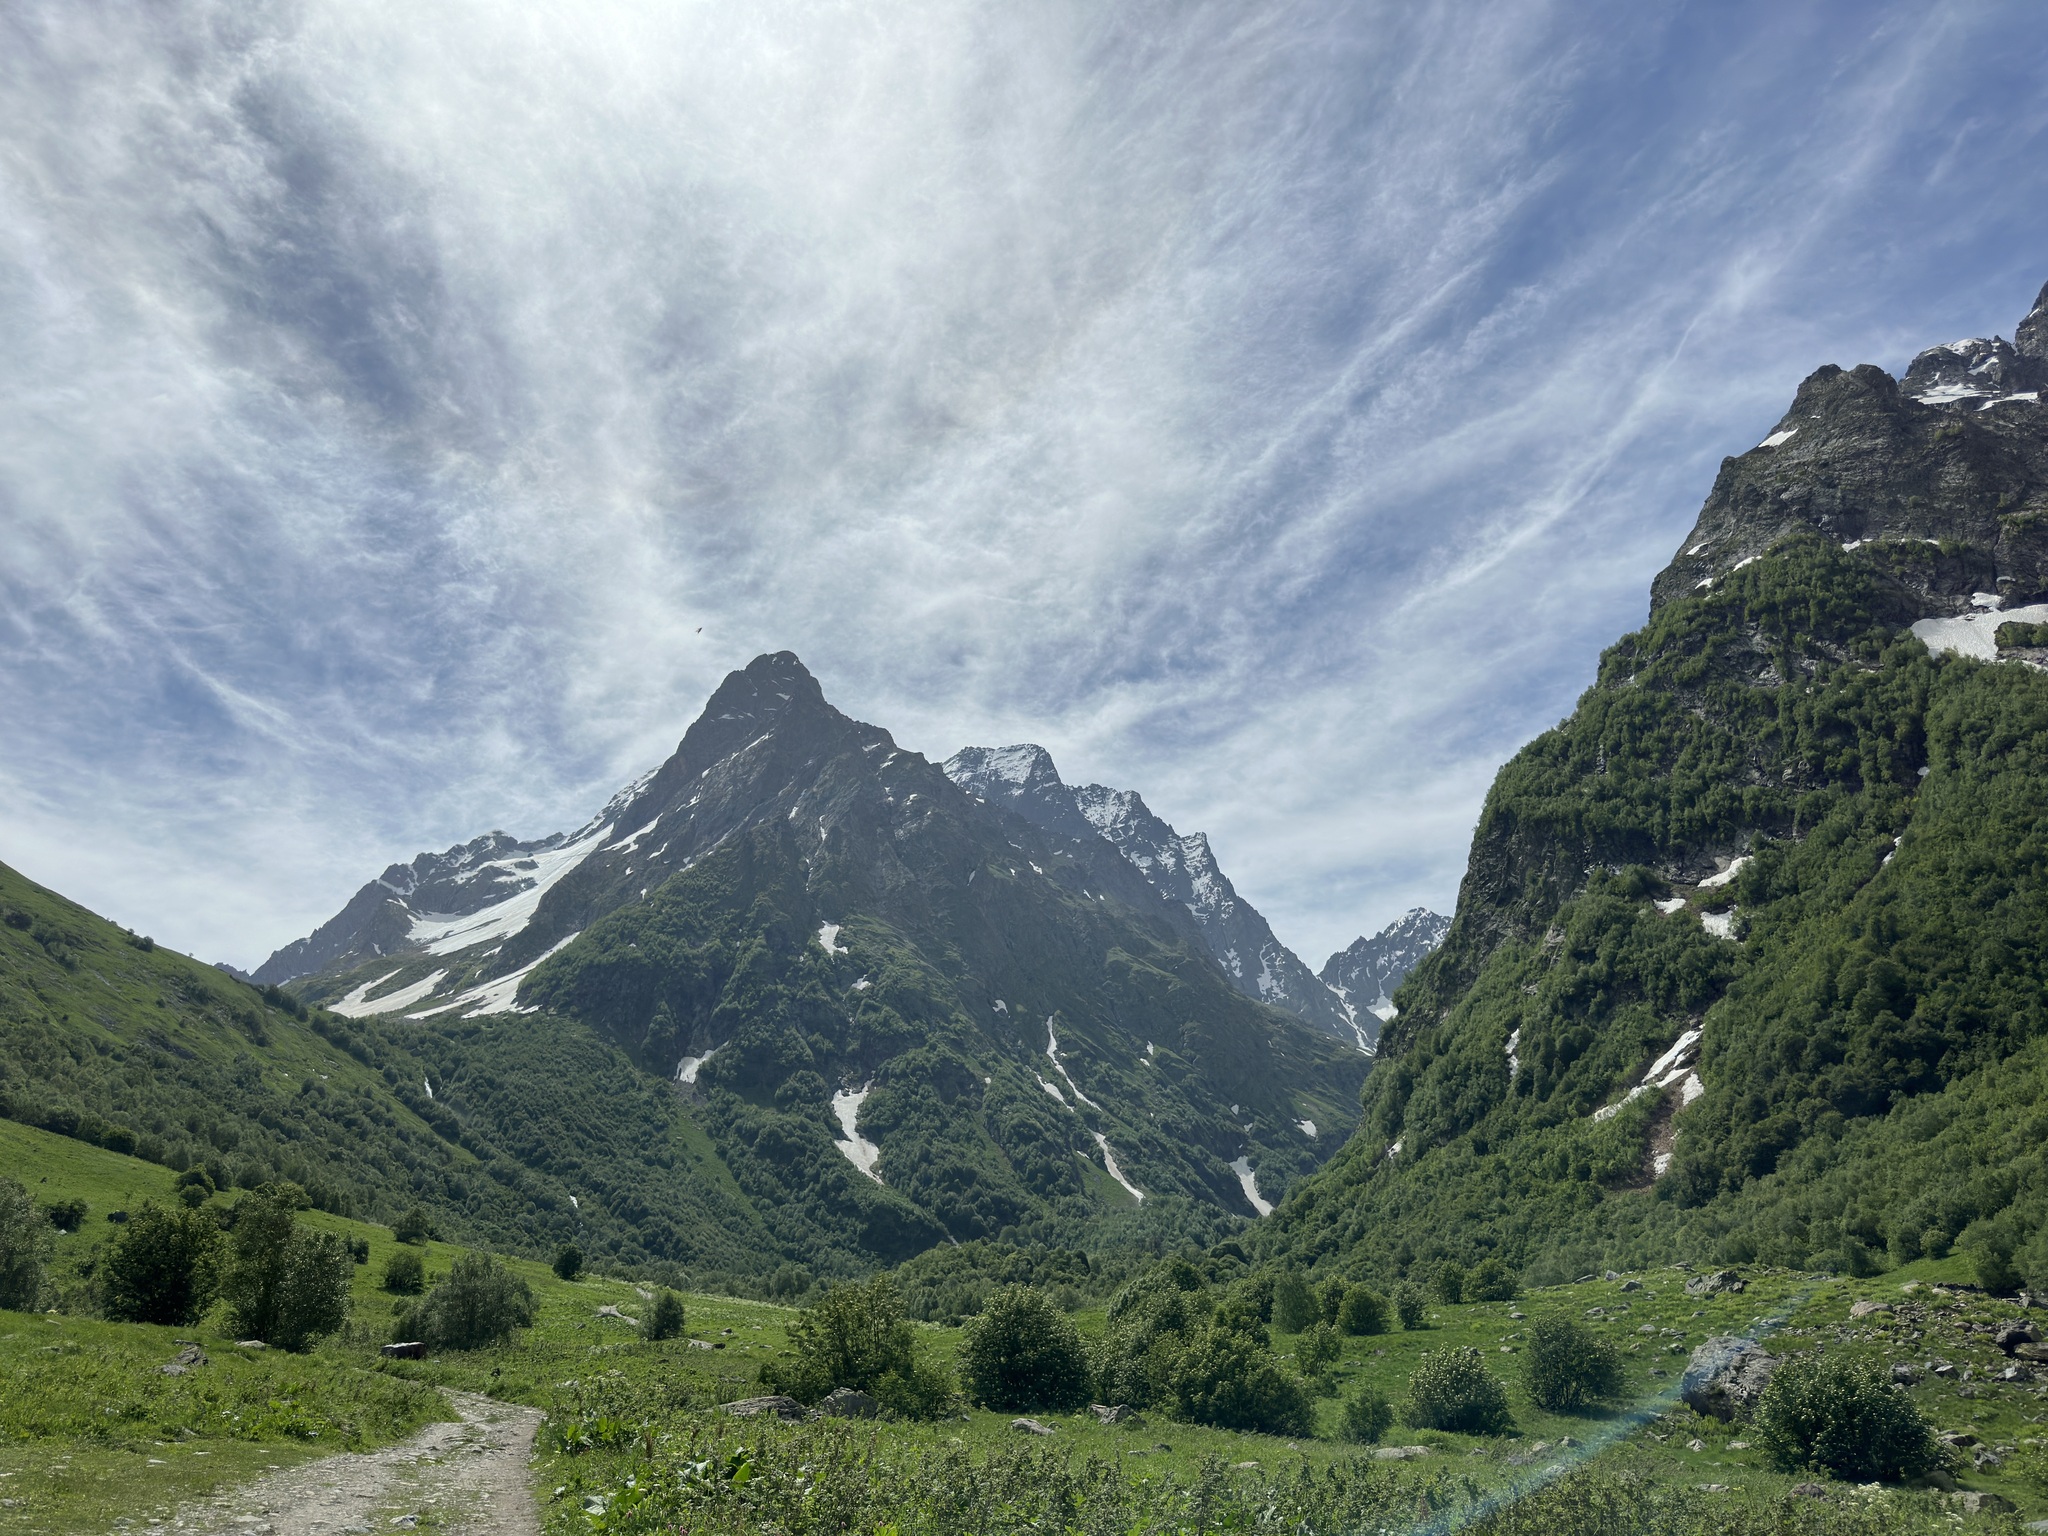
415 1226
1490 1280
1317 1349
856 1336
1367 1416
405 1273
1410 1305
1450 1284
664 1319
1452 1389
65 1215
288 1285
1023 1353
1294 1305
1828 1413
1568 1367
1331 1296
1225 1378
1364 1312
480 1304
163 1266
568 1262
24 1239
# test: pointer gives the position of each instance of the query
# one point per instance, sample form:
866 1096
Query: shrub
163 1265
664 1319
1410 1305
1316 1349
1135 1362
856 1336
288 1285
1294 1305
1450 1284
1024 1353
1331 1296
359 1250
1567 1366
65 1215
405 1273
568 1262
1490 1280
1452 1389
415 1226
1364 1312
1367 1416
1829 1413
23 1241
1225 1378
478 1305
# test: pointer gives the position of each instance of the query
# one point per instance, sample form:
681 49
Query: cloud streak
1273 409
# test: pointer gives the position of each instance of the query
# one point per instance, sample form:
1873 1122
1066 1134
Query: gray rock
1725 1376
845 1403
787 1408
1809 1490
1031 1427
1121 1413
1907 1374
1719 1282
2013 1335
1974 1502
188 1359
412 1349
1401 1452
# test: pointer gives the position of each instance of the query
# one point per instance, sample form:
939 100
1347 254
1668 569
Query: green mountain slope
1748 959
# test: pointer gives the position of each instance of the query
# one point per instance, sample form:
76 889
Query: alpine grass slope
1747 960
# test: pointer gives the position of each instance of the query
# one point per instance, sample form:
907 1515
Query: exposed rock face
1720 1281
1367 974
1725 1376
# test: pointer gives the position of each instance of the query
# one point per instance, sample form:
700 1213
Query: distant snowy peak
1183 869
1982 369
1370 971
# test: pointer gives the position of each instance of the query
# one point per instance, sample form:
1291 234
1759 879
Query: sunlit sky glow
408 413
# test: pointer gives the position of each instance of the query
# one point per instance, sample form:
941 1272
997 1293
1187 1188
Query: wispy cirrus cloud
1270 408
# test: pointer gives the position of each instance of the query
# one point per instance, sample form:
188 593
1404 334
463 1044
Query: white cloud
1273 410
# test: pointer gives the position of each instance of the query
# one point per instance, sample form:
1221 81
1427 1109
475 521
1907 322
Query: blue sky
409 413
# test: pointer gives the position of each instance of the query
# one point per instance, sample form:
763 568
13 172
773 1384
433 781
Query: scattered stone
1401 1452
1809 1490
1906 1374
785 1408
405 1522
1944 1369
618 1317
1695 1445
1961 1439
1631 1285
2036 1526
1121 1413
1977 1503
846 1403
2036 1354
1031 1427
1711 1487
1738 1445
250 1344
1987 1461
2013 1335
188 1359
1720 1282
413 1349
1725 1376
1868 1308
1567 1443
1244 1466
1611 1275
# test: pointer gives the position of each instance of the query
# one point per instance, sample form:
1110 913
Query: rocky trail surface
465 1479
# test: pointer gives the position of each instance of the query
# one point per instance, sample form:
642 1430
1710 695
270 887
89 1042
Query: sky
408 414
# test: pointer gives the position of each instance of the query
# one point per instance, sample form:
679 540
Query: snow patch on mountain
1250 1184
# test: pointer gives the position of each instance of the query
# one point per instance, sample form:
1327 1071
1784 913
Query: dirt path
466 1479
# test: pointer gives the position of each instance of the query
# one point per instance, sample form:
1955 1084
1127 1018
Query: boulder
1867 1308
413 1349
1031 1427
846 1403
2013 1335
1720 1282
1974 1502
1120 1413
190 1358
1401 1452
1809 1490
787 1408
1725 1376
1907 1374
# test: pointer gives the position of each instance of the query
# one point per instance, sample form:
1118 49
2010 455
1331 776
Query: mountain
898 1015
1368 973
1746 962
1182 870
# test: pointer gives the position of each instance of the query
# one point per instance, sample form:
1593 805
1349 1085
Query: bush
1452 1389
415 1226
1023 1353
1367 1416
1364 1312
24 1238
1567 1367
405 1273
1226 1378
1294 1305
1410 1305
1331 1296
478 1305
65 1215
288 1285
1450 1284
1136 1359
1490 1280
856 1336
1317 1349
1828 1413
664 1319
568 1262
163 1266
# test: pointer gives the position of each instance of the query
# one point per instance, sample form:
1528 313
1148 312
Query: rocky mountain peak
1368 971
770 690
2030 339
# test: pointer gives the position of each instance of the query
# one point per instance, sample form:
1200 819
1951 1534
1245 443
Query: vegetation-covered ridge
1867 983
